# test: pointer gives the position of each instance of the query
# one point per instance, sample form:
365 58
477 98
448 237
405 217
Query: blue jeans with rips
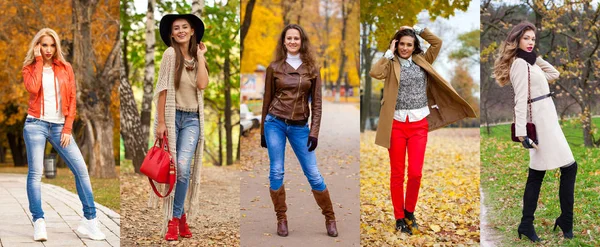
187 130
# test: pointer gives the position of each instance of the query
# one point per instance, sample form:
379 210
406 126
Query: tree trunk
131 129
94 92
17 148
3 154
343 57
148 75
198 7
220 128
228 111
246 25
125 67
365 107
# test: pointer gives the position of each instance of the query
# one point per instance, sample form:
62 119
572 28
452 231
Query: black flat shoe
566 234
402 227
530 234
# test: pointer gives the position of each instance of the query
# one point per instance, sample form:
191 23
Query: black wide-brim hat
166 23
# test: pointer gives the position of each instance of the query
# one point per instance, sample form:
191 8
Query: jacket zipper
297 94
274 104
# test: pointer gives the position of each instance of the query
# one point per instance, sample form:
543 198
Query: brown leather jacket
287 93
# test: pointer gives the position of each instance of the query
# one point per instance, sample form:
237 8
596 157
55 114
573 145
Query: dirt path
217 224
338 160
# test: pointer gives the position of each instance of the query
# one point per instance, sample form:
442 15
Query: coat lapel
396 66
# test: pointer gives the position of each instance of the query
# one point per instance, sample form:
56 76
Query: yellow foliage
448 207
267 23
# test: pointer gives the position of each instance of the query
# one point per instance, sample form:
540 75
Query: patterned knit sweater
412 92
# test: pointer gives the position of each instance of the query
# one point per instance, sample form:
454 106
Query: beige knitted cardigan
166 77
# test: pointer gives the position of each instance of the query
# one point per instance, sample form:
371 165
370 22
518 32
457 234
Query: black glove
312 143
527 143
263 141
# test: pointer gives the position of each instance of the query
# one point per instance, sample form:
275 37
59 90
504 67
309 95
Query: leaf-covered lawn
504 172
448 206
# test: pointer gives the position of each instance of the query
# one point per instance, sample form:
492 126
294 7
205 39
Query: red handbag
158 166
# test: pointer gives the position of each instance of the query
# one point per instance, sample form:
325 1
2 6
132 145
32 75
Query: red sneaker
172 231
184 229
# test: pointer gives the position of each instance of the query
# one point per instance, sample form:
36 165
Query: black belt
292 122
540 97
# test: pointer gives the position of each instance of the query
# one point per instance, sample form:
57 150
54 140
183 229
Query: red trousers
408 138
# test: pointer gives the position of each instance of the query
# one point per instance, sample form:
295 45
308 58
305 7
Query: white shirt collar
405 62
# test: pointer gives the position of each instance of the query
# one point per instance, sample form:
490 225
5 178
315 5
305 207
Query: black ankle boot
529 232
402 227
567 232
411 221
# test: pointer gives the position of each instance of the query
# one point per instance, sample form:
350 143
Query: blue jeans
276 132
35 133
187 130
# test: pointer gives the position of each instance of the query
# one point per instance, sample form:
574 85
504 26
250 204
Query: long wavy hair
30 56
407 32
306 51
508 51
192 49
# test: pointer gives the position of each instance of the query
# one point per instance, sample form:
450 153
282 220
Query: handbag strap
171 182
528 97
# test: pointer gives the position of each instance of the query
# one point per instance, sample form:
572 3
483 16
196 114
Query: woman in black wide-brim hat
182 77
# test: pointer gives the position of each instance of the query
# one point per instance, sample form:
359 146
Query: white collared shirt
413 115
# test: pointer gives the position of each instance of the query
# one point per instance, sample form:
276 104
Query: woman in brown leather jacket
293 80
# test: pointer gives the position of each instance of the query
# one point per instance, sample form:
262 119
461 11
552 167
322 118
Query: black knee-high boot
530 199
566 195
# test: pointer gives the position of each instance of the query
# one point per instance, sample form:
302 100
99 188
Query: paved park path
338 161
62 212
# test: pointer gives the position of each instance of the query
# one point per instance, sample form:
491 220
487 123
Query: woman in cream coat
518 64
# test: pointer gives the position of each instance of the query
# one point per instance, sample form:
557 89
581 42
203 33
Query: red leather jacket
63 72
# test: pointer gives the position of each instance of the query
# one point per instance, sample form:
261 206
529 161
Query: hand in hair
405 27
393 45
37 50
201 50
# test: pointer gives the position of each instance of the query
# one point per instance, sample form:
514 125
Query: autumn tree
95 82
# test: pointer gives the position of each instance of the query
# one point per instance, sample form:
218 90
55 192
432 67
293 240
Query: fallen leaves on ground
216 225
448 207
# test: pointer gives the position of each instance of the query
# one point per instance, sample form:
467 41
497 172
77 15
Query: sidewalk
338 161
62 212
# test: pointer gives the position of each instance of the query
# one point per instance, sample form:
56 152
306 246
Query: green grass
504 166
106 191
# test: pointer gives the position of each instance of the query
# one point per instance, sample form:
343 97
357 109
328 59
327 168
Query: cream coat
445 105
553 150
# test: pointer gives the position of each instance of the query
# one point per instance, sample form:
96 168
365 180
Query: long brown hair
192 49
407 32
306 51
508 51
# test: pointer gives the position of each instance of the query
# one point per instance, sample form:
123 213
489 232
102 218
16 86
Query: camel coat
445 105
553 150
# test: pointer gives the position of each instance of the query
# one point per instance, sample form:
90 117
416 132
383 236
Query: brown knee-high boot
322 198
278 198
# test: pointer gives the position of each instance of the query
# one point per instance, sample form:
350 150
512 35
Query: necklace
189 64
